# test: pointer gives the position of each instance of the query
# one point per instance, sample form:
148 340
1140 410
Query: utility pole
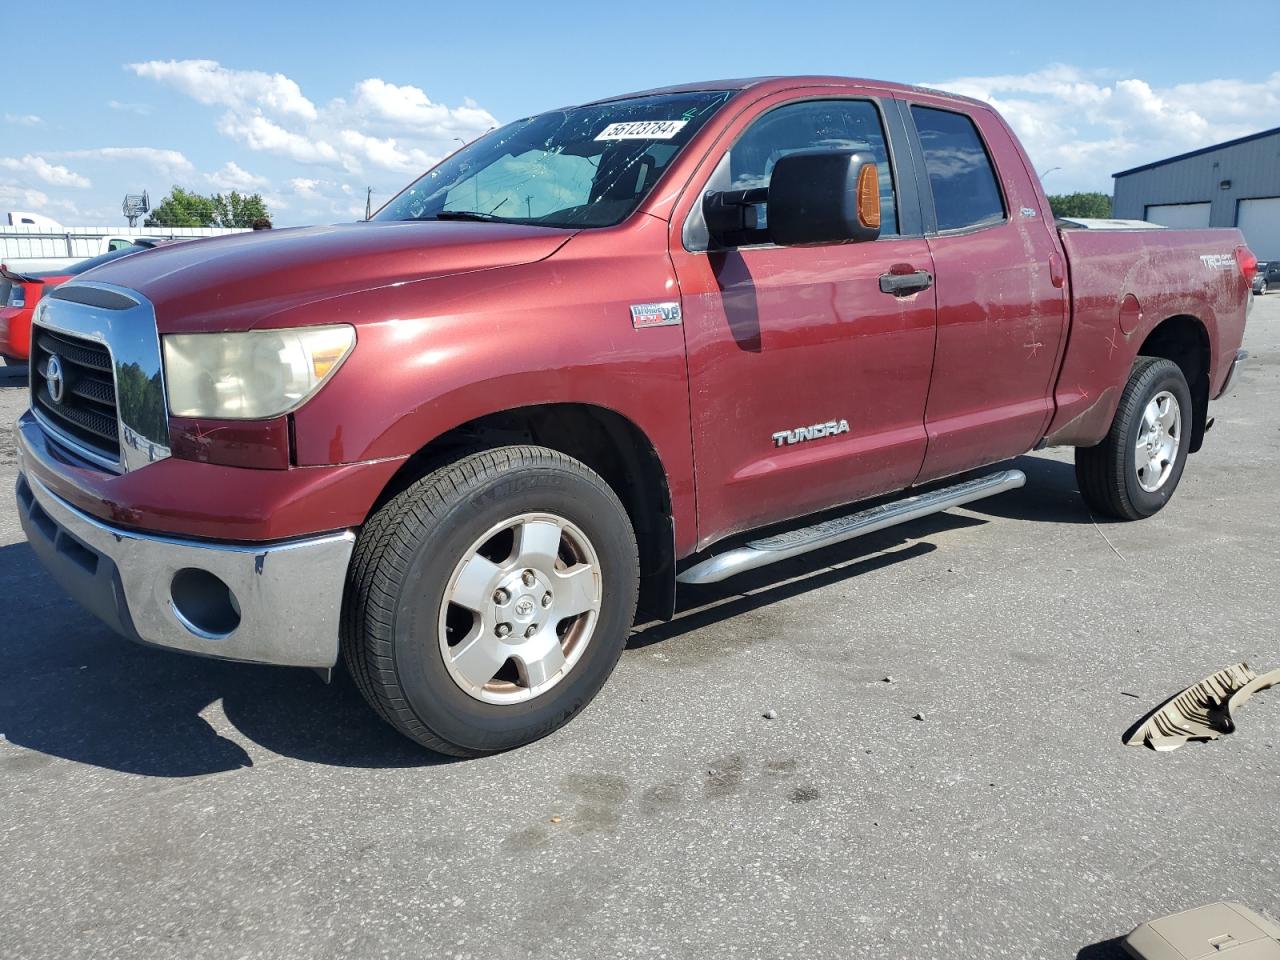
368 203
528 203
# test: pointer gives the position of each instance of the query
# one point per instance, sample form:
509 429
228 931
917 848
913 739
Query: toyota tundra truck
649 341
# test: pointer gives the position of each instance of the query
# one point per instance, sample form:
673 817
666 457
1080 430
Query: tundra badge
655 314
818 430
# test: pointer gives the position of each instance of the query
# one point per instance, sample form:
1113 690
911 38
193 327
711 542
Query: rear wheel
488 603
1133 472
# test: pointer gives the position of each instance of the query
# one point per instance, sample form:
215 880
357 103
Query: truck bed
1170 273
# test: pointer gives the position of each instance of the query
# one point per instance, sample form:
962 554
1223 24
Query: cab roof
773 84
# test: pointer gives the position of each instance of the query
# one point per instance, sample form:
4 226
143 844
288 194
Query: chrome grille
86 410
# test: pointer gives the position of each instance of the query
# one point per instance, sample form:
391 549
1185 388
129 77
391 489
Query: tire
403 635
1110 479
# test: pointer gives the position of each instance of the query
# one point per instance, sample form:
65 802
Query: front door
808 383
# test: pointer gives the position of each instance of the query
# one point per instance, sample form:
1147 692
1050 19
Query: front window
581 167
805 125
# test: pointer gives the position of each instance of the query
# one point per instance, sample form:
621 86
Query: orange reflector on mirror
869 197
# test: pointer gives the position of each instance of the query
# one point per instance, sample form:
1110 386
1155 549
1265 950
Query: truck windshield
587 166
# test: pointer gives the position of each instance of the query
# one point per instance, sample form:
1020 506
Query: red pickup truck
596 353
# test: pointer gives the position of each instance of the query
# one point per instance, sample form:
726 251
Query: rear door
999 276
808 383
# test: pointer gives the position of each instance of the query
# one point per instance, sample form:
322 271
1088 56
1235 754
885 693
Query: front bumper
263 603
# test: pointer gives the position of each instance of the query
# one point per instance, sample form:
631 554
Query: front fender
432 356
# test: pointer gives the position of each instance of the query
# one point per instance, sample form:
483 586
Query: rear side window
965 192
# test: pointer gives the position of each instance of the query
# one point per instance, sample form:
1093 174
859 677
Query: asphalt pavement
157 805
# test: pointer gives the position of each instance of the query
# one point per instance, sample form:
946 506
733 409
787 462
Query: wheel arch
1184 340
605 440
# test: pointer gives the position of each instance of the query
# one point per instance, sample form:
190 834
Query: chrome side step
792 543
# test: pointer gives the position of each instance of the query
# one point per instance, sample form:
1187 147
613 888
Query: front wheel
488 603
1133 472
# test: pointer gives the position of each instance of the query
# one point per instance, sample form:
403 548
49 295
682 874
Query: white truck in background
32 243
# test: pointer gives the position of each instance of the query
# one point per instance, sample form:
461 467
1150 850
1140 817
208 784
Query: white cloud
232 176
383 126
1092 124
172 163
305 187
259 133
51 173
23 198
324 156
209 82
141 109
411 107
14 196
23 119
383 152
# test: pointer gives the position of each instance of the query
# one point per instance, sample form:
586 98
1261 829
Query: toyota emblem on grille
54 378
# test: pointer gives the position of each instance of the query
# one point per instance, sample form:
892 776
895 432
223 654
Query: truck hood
241 281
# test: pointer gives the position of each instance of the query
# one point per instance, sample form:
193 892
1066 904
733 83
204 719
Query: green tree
182 208
1095 205
238 210
186 208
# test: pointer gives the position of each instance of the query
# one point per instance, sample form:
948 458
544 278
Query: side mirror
732 216
824 196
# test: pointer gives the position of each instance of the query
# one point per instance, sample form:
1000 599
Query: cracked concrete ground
155 805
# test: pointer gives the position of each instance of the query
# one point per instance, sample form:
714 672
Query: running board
792 543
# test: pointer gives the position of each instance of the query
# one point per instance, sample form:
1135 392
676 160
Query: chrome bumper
263 603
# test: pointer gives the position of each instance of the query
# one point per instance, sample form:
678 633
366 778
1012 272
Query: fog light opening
204 604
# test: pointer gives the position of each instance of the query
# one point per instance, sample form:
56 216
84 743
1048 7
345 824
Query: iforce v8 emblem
813 432
655 315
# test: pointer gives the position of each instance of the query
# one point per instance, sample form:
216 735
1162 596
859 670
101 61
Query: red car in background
20 292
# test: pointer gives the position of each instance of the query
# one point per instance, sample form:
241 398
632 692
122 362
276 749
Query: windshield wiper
465 215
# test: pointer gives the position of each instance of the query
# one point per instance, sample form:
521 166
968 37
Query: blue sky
309 103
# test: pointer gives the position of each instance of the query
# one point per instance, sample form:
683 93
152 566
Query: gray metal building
1232 184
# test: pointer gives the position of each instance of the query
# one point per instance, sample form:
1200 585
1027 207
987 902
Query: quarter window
965 192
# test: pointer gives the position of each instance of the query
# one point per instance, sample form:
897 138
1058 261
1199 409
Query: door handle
904 284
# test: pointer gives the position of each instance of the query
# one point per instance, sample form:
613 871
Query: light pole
1047 172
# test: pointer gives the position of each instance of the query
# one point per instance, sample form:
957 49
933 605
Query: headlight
252 375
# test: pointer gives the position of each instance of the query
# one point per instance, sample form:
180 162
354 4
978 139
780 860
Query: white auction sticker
642 130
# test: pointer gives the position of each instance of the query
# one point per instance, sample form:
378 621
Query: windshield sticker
642 130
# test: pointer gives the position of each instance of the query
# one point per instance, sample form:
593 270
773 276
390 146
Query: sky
311 103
